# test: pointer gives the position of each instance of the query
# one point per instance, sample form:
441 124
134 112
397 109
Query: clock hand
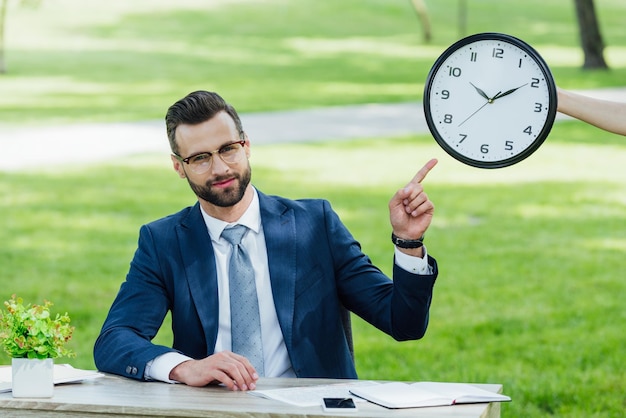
477 110
506 93
482 93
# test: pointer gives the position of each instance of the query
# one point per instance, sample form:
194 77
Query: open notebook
422 394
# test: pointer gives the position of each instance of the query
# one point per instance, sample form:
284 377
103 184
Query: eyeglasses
201 163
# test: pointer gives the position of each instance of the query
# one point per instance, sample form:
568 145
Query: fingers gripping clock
490 100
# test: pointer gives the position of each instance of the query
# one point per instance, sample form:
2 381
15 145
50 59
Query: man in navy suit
307 268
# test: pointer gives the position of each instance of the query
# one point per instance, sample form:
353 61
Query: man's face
224 184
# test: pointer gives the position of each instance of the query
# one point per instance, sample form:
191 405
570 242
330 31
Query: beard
223 197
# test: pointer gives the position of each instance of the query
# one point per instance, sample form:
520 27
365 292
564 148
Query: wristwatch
407 243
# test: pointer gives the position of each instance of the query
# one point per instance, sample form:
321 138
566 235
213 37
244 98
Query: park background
532 257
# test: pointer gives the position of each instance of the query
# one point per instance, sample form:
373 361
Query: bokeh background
532 257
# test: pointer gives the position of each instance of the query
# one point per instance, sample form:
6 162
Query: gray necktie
245 324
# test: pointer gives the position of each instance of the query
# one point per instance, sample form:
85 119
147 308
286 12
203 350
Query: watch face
490 100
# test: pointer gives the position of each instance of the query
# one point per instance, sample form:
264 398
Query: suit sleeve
124 345
398 307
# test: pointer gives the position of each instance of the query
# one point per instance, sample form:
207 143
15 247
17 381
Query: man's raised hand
410 209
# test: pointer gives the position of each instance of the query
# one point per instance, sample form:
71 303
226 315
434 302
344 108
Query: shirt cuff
160 367
415 265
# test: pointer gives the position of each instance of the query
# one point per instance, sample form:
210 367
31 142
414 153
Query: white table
122 397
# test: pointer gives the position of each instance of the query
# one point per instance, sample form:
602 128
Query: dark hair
197 107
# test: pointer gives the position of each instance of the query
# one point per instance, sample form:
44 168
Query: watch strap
407 243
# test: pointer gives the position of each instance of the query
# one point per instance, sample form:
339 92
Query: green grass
532 256
112 61
531 287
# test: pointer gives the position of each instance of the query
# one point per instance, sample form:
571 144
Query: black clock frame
552 105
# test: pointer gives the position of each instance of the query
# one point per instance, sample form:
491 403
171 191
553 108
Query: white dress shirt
276 358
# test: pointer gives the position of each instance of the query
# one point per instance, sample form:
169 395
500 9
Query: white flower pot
32 378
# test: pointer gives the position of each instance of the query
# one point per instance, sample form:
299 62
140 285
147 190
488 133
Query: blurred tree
462 18
3 14
422 12
590 37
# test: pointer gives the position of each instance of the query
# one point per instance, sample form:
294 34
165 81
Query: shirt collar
251 218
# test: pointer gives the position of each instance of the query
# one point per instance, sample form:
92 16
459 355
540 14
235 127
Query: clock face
490 100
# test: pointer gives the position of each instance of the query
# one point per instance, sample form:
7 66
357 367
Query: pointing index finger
421 175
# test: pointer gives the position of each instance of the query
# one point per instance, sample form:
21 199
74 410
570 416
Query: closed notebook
422 394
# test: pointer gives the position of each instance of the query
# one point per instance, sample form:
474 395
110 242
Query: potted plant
33 338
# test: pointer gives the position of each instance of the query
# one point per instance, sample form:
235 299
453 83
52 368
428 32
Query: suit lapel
199 264
280 237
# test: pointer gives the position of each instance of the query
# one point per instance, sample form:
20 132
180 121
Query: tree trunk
422 13
462 18
590 37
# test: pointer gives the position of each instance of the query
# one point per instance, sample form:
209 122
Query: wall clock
490 100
